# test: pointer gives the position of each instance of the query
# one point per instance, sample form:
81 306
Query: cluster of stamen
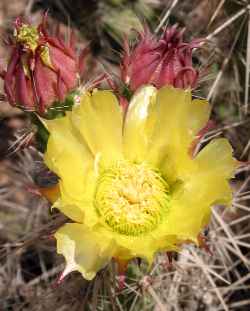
28 36
131 198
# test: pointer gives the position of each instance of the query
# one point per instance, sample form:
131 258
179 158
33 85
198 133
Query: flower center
28 36
131 198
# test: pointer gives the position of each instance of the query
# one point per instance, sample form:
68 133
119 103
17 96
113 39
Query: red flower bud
164 61
42 69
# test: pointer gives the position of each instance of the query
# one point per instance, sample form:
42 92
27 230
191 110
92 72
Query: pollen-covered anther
28 36
131 198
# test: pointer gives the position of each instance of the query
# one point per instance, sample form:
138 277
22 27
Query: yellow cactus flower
129 182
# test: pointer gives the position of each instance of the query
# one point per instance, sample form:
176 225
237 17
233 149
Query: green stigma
28 35
131 198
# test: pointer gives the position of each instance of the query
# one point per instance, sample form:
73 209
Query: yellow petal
71 161
190 211
84 250
197 116
144 246
216 158
206 185
178 120
131 247
98 118
137 128
71 210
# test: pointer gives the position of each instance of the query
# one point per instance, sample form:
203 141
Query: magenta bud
42 69
164 61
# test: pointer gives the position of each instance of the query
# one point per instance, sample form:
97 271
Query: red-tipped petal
23 89
43 26
45 83
66 65
60 87
8 80
59 44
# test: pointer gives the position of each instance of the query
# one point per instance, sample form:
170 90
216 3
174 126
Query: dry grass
196 279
